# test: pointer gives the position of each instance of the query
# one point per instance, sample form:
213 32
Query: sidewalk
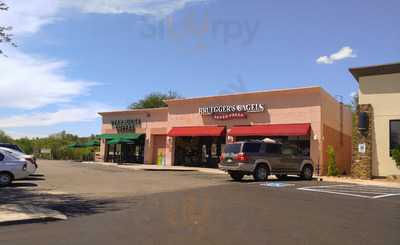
15 214
349 180
160 168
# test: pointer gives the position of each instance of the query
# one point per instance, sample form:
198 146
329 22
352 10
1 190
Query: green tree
4 138
396 155
154 100
5 35
26 145
332 169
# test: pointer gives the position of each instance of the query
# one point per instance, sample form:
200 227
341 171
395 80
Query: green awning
76 145
119 141
92 143
127 136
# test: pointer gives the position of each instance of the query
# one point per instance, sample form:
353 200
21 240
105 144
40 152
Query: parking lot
109 205
362 191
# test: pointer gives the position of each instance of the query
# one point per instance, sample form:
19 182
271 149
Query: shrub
332 170
396 156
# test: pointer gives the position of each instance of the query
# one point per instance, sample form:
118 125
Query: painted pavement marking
363 191
276 184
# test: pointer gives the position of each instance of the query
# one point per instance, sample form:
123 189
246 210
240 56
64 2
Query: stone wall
362 162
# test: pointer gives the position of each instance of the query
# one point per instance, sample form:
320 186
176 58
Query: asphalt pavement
107 205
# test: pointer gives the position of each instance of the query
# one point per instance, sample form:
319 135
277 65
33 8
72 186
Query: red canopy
271 130
196 131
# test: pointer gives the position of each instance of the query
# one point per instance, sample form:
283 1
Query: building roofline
381 69
246 93
311 88
133 110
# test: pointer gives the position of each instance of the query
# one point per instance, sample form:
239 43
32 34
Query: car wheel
307 172
5 179
261 173
236 176
281 176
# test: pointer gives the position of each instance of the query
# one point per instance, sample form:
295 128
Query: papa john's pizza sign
227 112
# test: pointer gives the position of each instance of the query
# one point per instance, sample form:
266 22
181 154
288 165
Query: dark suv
260 159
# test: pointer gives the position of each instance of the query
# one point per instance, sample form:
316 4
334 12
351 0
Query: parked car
12 168
262 158
11 146
31 161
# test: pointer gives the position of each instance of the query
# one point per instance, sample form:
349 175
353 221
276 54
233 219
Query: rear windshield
10 146
232 148
251 147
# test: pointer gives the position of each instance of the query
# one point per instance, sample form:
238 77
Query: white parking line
355 190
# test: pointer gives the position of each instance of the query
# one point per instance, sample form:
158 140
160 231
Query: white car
31 162
12 168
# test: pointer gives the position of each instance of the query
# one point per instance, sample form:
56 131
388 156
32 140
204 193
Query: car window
290 150
12 147
273 148
1 157
251 147
13 152
232 148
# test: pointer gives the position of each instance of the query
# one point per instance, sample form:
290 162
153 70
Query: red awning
271 130
196 131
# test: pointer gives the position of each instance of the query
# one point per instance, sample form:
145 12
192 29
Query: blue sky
75 58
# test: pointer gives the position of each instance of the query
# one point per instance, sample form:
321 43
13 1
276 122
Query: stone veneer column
362 162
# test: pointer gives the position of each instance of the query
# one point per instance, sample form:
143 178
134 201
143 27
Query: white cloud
343 53
84 113
19 135
29 82
157 8
30 16
353 94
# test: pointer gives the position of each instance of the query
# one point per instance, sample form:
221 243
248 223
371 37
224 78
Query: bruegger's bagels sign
226 112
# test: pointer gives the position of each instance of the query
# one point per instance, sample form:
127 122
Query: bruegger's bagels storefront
193 132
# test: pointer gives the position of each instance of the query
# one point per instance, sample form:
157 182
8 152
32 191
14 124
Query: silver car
261 159
11 168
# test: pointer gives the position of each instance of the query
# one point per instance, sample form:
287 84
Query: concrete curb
160 168
11 214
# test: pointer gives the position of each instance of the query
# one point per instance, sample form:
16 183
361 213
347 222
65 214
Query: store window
394 134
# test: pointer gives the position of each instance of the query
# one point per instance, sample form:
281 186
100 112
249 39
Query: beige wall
336 124
383 93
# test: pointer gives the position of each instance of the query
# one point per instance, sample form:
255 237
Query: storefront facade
379 99
193 132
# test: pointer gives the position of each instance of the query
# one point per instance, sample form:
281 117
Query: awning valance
126 136
92 143
119 141
196 131
271 130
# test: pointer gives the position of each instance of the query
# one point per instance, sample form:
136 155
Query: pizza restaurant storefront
193 132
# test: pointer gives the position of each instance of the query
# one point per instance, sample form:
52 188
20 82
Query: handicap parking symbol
276 184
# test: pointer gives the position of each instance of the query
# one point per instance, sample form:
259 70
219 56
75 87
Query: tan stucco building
379 88
194 131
